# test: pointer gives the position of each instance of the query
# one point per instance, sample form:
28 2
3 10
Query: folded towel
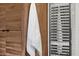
34 45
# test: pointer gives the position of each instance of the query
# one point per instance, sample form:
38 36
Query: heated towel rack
59 19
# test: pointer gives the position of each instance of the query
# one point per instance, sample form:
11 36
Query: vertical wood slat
26 8
42 10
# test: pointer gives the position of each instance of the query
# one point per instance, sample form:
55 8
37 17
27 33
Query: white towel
33 36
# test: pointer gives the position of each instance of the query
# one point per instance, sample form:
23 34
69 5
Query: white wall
75 29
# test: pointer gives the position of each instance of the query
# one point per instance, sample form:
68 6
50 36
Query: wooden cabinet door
11 33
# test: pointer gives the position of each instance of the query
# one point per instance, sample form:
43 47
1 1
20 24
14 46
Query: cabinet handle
3 30
6 30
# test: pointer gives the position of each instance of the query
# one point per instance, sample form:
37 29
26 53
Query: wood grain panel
14 16
2 18
2 43
11 16
42 10
25 26
11 43
14 42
